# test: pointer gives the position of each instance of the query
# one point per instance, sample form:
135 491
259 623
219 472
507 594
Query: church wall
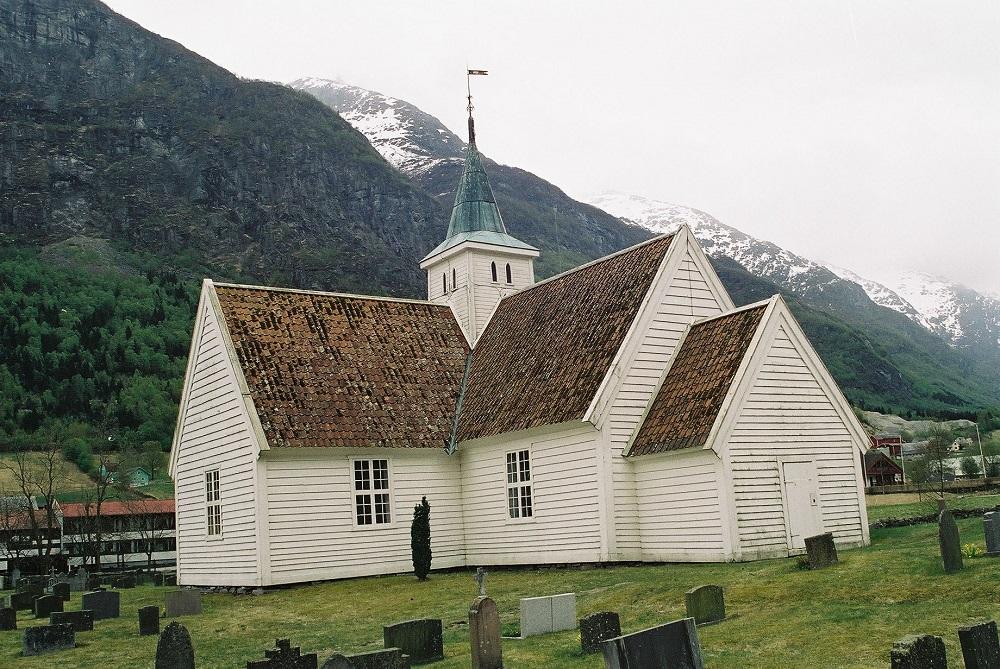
787 415
215 433
680 512
681 295
566 521
486 292
312 533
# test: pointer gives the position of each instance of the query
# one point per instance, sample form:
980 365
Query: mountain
419 145
880 356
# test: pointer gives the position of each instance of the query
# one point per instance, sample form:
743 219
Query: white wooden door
801 502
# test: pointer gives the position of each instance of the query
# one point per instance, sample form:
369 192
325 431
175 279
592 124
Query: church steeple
478 263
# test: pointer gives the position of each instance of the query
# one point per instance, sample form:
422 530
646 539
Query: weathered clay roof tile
685 409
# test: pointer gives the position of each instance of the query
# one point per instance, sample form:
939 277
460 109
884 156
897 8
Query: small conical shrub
420 539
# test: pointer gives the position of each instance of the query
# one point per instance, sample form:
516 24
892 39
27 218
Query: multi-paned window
518 485
371 492
213 503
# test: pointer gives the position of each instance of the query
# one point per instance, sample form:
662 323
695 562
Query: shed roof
119 508
331 370
690 398
547 348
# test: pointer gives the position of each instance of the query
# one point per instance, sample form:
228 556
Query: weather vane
468 88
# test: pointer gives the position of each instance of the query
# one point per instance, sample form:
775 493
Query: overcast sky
862 132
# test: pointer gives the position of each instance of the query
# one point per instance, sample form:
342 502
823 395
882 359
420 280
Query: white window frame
371 493
213 503
519 486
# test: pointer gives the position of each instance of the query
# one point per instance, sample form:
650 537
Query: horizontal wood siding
215 434
680 514
486 292
787 413
566 525
311 529
681 299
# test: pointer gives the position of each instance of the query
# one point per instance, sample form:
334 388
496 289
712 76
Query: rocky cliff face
111 131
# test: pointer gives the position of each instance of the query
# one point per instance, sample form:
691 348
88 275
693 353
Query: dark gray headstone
387 658
183 603
338 661
421 639
950 542
30 585
671 646
104 603
980 645
8 619
46 604
174 649
821 551
149 620
157 578
284 656
484 634
706 604
991 530
61 590
82 621
597 628
47 638
22 601
125 581
170 579
919 652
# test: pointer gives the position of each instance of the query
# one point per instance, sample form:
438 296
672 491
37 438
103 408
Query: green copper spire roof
475 216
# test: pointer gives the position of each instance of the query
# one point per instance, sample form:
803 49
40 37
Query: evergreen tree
420 539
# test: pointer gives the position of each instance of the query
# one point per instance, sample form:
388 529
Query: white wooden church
625 410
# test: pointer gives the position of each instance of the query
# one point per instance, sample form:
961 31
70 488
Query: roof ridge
593 262
325 293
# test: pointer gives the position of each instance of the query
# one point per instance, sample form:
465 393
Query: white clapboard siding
215 433
487 293
787 414
679 298
311 523
566 525
680 515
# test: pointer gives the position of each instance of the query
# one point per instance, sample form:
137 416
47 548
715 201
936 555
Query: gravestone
157 578
671 646
30 585
125 581
480 577
15 576
980 645
922 651
174 649
706 604
950 542
82 621
541 615
61 590
484 634
821 551
387 658
284 656
21 601
991 530
104 603
149 620
183 603
597 628
421 639
46 604
337 661
47 638
170 579
8 619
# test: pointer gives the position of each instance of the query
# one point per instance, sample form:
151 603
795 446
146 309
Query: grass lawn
845 616
907 505
70 476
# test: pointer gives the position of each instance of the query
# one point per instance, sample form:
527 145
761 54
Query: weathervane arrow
468 87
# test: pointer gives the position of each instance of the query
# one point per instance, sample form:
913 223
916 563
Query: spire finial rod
468 89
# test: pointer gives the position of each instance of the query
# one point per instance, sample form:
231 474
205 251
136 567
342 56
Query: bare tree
14 541
939 439
34 475
144 522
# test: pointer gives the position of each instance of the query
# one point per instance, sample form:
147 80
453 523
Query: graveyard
777 613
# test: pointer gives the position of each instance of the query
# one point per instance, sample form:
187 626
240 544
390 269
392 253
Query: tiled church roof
685 409
347 371
547 348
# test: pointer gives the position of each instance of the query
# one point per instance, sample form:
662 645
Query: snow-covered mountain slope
960 316
408 138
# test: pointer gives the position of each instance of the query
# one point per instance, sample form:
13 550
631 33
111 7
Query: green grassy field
781 616
928 505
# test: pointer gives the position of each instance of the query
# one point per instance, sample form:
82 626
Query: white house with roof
625 410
